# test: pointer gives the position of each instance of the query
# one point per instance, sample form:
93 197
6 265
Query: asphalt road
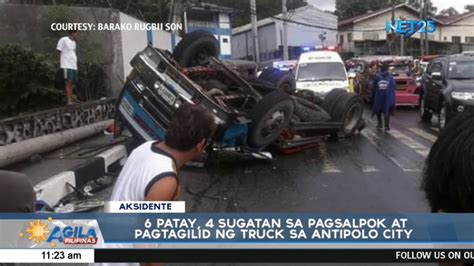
374 172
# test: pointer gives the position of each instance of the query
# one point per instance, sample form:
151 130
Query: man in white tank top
151 171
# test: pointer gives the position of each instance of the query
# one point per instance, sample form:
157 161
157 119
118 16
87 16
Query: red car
407 90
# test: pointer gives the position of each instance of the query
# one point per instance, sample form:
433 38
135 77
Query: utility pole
285 30
427 43
393 45
253 17
402 44
422 42
185 16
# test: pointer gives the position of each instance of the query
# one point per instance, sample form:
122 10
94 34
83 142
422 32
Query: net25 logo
408 28
75 235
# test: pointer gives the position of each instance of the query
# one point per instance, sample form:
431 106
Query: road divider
58 186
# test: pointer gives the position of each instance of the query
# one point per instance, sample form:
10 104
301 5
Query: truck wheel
331 99
269 117
195 48
283 80
309 112
349 111
309 96
424 114
263 87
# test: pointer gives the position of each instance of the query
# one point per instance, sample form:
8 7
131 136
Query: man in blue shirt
384 96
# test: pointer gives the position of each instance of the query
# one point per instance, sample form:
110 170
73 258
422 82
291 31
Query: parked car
447 88
251 113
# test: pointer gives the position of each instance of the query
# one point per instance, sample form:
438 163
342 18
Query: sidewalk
75 164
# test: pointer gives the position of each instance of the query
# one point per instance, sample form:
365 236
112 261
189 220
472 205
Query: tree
349 8
469 8
448 12
429 5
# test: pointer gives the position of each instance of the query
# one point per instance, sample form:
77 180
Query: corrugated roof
362 17
452 19
213 7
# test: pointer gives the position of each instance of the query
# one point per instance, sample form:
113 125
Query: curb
54 188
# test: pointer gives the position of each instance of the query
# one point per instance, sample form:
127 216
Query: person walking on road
384 96
68 62
151 171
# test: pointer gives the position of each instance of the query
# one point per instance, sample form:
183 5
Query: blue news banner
247 237
253 228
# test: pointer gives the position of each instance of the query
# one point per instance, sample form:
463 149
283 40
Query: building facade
367 33
307 26
214 19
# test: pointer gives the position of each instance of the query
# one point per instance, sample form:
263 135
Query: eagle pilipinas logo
69 235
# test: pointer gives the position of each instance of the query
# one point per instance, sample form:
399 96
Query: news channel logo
39 232
408 28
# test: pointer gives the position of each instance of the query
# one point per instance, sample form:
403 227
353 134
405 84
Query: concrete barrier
54 188
22 150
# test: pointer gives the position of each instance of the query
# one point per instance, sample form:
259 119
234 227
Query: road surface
373 172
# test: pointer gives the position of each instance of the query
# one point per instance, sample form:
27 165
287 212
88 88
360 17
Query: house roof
363 17
293 15
213 7
452 19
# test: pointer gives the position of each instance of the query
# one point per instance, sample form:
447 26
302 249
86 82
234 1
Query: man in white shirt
68 62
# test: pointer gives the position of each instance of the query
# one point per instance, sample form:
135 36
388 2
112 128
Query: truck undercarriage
250 115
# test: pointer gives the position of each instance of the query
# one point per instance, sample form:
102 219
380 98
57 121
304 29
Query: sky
324 4
457 4
441 4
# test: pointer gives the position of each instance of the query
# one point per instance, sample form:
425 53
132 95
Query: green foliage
349 8
91 84
469 8
148 10
26 81
451 11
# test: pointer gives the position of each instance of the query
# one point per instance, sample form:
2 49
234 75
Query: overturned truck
252 113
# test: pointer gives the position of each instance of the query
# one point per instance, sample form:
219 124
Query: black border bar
283 255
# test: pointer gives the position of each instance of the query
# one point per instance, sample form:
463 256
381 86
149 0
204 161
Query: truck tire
425 115
269 117
331 99
263 87
309 112
195 48
349 111
283 80
309 96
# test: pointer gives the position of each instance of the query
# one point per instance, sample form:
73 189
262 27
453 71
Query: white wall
461 28
224 21
242 43
377 25
134 41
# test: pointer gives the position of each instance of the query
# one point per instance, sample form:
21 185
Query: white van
320 72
